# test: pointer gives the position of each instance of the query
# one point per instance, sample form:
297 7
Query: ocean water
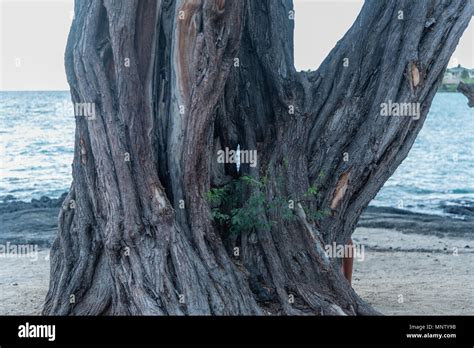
439 169
37 139
36 144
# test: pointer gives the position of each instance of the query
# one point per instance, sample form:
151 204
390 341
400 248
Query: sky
34 32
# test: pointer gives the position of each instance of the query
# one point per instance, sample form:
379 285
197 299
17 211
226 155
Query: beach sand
24 283
419 275
401 274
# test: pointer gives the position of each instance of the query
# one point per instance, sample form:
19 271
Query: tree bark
173 82
468 91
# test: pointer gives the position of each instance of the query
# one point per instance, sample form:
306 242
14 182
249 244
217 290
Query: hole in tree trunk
319 24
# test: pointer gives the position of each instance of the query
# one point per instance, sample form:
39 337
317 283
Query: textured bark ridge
172 83
468 91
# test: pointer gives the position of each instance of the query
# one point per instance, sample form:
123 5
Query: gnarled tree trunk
173 82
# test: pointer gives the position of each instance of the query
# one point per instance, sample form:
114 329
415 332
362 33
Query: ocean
37 140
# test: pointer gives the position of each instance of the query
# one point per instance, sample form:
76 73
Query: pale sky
34 32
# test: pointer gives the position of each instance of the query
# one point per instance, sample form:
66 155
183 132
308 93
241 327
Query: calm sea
37 139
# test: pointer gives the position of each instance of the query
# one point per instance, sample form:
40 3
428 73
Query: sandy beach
24 284
411 274
412 264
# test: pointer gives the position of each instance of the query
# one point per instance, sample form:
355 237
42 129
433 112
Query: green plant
317 215
216 196
231 211
249 216
219 217
312 191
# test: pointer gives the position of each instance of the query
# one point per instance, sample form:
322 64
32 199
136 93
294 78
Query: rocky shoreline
427 224
36 222
32 222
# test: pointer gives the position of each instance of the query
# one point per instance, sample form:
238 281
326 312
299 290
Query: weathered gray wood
468 91
125 245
